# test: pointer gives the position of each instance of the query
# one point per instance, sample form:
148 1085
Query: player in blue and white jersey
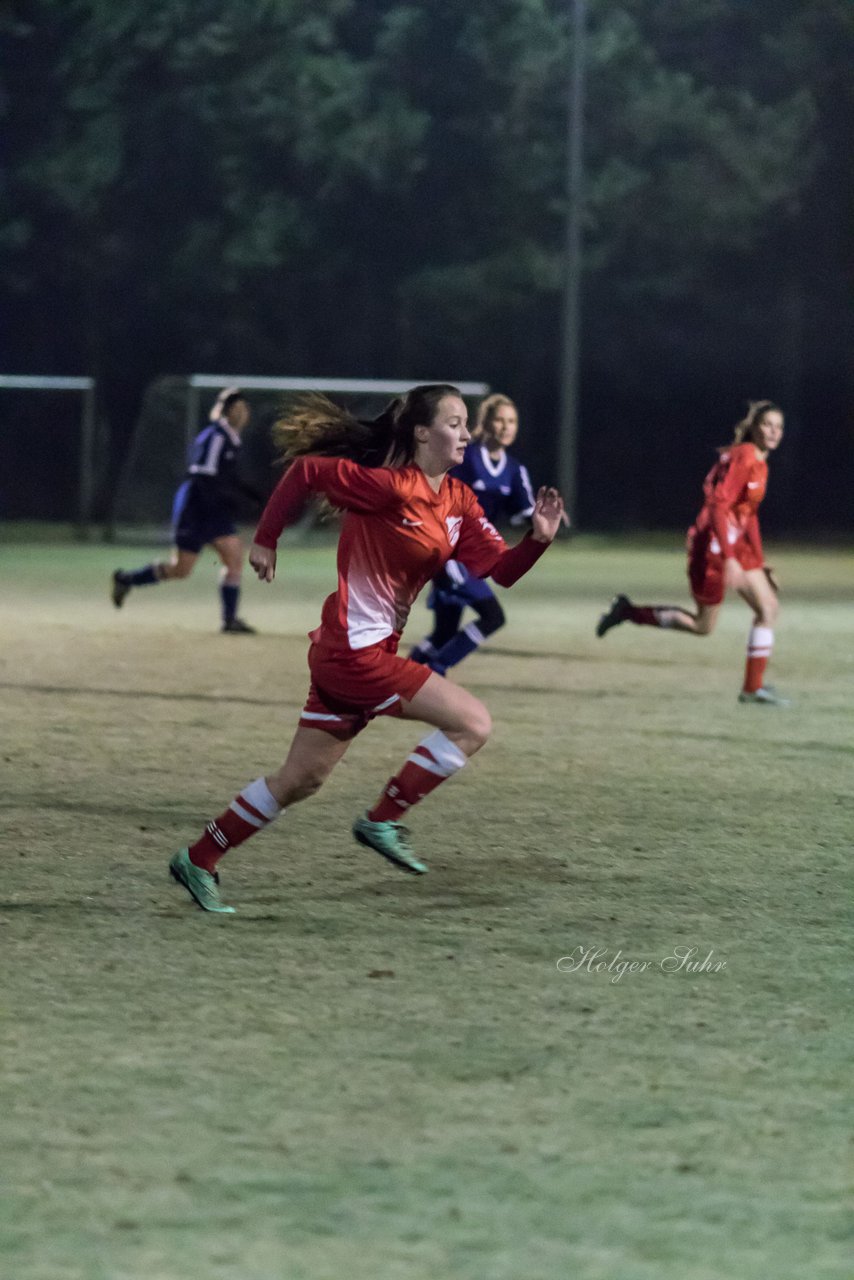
503 489
203 512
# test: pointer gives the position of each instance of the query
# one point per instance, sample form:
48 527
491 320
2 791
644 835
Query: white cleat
767 697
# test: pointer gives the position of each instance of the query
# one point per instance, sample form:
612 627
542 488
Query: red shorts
348 688
707 568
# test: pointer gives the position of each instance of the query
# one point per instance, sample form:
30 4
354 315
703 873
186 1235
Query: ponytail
315 425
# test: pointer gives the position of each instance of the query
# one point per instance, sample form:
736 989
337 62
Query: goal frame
86 470
198 382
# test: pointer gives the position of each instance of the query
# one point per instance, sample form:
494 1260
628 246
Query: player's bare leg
312 756
180 565
754 587
462 725
670 617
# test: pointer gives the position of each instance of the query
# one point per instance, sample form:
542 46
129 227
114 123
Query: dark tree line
369 188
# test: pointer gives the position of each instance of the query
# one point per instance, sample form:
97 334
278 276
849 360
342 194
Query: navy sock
230 596
457 648
141 577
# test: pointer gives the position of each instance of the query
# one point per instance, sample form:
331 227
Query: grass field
377 1077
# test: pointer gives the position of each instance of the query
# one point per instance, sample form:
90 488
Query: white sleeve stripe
526 482
210 463
521 516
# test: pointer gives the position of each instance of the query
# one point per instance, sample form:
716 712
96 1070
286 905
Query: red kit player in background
725 552
404 517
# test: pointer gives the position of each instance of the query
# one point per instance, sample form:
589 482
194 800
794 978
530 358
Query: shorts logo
453 525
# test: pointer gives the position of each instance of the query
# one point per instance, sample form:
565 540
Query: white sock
445 757
760 642
259 806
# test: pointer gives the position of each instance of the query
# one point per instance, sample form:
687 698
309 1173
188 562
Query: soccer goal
174 409
50 449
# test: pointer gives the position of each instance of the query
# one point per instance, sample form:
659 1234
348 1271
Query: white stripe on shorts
381 706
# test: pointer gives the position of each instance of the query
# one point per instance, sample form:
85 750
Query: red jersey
396 535
733 490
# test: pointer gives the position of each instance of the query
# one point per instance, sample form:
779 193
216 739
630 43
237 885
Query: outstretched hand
548 515
263 561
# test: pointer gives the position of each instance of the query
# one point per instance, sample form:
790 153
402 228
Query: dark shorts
195 524
349 689
456 587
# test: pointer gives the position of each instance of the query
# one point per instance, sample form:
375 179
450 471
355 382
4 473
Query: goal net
53 451
175 409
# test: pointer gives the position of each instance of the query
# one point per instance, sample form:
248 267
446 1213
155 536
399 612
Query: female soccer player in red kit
725 552
404 518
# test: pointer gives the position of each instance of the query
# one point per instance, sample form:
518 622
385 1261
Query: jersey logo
453 524
412 523
753 484
489 528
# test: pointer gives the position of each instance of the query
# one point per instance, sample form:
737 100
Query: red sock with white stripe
668 616
432 761
643 615
760 642
248 813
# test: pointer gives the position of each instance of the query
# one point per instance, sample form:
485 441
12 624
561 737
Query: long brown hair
316 425
756 411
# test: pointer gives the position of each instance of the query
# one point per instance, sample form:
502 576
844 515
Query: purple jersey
502 485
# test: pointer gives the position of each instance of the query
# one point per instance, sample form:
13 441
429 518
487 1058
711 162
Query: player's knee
704 620
491 617
306 785
478 727
767 615
178 569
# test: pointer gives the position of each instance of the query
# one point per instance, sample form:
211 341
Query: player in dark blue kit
504 491
203 512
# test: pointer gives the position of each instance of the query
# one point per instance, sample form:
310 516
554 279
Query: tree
376 187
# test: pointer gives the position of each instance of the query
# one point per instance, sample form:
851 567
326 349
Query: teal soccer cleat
391 840
200 884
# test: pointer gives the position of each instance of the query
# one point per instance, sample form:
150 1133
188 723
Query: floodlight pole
572 266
